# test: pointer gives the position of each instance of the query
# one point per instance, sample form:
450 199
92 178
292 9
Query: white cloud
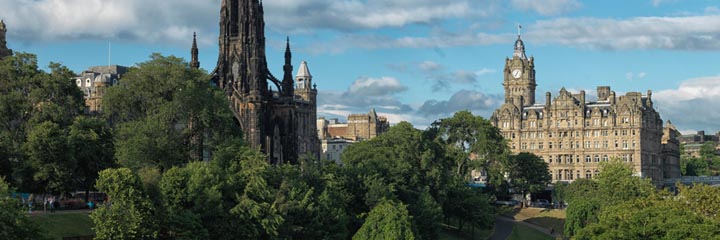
484 71
376 86
693 105
633 76
676 33
547 7
133 20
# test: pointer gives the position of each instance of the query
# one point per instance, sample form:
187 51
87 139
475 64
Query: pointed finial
519 29
287 43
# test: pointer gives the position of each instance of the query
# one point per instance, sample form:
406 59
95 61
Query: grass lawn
547 218
65 224
522 232
452 233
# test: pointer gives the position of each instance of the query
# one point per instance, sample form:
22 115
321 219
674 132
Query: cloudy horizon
414 60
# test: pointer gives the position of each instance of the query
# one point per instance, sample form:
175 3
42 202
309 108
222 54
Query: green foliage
472 143
616 183
129 213
387 220
649 218
91 144
580 213
29 98
51 163
14 223
582 188
528 173
167 114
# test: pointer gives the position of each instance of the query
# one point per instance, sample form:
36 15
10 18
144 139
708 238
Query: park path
503 228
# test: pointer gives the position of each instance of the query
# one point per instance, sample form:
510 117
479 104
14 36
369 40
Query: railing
710 180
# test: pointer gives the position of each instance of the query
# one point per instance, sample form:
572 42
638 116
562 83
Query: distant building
573 134
336 136
332 148
693 142
94 82
4 50
358 127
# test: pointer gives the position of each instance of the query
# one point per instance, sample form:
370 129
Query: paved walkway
504 226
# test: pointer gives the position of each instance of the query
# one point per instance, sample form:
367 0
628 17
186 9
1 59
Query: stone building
574 134
93 83
358 127
280 122
4 50
693 143
332 148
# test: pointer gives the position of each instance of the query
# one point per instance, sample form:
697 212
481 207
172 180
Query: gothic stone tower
4 50
519 80
272 121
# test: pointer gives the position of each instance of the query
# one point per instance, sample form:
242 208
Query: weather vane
519 29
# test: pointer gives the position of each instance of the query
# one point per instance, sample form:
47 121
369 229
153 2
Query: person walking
52 205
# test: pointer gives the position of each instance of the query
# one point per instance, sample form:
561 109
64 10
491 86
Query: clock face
516 73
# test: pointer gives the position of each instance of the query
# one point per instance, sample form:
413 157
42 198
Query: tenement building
279 122
574 134
93 83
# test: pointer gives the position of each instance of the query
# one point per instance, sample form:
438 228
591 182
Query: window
540 145
578 174
587 158
587 144
625 144
596 144
79 83
550 145
605 144
605 158
633 143
577 158
588 174
87 82
597 158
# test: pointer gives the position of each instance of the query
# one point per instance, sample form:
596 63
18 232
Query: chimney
548 99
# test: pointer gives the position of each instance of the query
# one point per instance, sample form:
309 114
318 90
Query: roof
303 71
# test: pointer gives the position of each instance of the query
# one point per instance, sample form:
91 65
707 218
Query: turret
548 99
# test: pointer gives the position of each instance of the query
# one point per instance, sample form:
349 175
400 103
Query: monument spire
287 82
194 63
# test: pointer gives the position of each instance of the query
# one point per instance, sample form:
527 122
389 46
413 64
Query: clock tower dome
519 82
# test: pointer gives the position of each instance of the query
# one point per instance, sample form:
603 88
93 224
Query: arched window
587 158
79 83
597 158
605 158
588 174
87 82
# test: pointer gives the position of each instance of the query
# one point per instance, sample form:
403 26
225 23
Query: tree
616 183
14 222
650 217
30 97
473 143
48 157
528 173
167 114
387 220
129 214
91 144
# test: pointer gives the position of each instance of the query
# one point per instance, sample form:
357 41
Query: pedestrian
52 205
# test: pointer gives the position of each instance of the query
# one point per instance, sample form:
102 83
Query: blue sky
415 60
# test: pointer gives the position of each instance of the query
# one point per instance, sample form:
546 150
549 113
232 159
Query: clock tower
519 75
